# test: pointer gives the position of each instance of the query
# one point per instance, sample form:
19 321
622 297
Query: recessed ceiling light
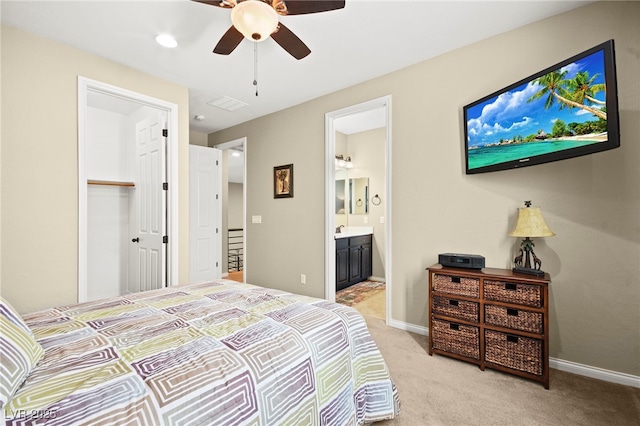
166 40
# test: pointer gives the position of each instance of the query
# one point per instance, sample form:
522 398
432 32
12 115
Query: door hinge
216 162
216 196
165 186
165 133
216 230
216 264
165 239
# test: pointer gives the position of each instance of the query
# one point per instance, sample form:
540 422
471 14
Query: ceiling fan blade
229 41
220 3
290 42
301 7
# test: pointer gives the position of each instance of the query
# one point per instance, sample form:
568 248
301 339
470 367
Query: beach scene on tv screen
561 110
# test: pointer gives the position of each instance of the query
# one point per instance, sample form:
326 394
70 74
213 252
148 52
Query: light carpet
437 390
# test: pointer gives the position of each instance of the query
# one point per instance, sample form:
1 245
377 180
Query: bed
216 353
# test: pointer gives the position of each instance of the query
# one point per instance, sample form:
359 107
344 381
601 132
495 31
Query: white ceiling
361 121
366 39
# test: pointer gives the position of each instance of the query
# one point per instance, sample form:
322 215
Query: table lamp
530 224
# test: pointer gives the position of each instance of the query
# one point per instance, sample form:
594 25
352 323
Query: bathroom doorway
373 119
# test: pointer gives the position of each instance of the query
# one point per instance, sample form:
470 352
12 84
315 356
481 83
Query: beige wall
592 202
40 163
198 138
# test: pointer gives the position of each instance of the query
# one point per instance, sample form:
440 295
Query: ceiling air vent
226 103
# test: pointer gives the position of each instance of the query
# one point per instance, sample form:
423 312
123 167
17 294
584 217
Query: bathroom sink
354 231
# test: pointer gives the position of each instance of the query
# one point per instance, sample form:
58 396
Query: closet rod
109 182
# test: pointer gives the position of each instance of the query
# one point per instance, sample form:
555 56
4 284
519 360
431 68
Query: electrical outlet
303 279
381 219
366 219
256 219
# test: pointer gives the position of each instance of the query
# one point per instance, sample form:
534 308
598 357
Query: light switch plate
256 219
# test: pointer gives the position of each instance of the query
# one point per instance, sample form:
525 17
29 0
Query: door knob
136 240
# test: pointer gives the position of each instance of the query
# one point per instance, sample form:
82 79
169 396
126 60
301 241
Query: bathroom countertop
354 231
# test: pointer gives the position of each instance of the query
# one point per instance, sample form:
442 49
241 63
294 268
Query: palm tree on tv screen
555 87
584 90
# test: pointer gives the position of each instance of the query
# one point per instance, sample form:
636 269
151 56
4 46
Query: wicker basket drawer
521 294
513 318
460 286
456 338
453 308
516 352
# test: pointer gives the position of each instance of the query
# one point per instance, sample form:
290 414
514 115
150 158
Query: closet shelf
110 182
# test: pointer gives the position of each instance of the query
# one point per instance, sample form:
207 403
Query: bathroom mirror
359 195
340 197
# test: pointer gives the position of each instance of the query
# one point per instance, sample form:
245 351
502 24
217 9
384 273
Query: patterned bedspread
220 353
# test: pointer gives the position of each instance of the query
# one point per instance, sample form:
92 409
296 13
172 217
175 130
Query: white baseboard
558 364
595 372
409 327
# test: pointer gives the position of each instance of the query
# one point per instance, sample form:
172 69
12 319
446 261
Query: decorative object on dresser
494 318
530 224
458 260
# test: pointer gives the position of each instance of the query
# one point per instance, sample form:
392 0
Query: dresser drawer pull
454 326
513 339
512 312
455 280
453 302
510 286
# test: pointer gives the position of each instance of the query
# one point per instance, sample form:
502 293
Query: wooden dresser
491 317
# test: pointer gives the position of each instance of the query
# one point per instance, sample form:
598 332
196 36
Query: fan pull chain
255 65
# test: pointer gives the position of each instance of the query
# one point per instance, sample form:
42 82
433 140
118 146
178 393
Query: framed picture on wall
283 181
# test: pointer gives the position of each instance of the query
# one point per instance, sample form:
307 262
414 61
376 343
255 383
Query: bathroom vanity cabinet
353 260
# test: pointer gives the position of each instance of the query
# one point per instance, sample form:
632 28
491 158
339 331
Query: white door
147 266
205 213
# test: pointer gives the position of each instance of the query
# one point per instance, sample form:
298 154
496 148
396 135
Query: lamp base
530 271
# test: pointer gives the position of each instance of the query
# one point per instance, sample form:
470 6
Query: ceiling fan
258 20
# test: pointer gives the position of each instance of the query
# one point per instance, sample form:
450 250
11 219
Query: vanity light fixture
342 162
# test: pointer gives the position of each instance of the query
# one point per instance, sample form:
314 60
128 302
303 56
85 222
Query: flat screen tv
567 110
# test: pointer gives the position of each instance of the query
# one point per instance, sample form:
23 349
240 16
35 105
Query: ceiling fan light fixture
166 40
255 19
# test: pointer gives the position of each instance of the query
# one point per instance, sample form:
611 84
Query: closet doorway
374 114
127 169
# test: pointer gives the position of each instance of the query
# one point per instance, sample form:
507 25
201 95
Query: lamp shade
255 19
531 224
